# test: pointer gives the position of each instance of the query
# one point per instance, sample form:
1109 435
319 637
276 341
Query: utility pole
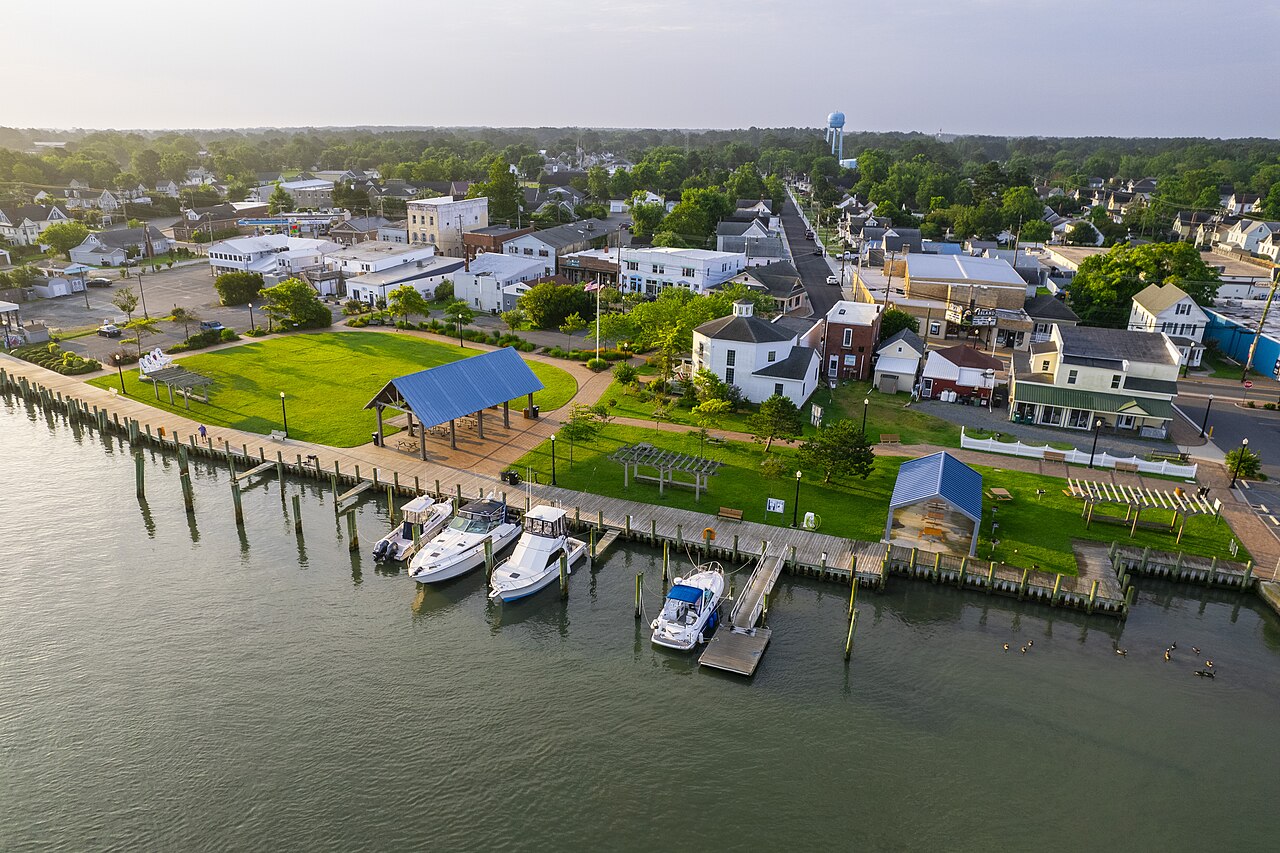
1253 347
889 282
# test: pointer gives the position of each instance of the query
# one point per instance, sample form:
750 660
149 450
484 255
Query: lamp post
251 326
1097 425
120 370
866 404
285 414
1205 423
1235 469
795 506
553 458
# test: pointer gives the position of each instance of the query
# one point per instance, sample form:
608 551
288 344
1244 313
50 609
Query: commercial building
652 270
442 221
849 339
269 254
425 275
551 244
490 239
483 282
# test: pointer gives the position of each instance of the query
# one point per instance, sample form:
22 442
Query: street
812 268
1232 423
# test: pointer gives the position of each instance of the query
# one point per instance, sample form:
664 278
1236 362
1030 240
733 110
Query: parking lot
189 286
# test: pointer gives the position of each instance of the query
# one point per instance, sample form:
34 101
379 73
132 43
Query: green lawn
885 413
327 379
1220 367
1032 532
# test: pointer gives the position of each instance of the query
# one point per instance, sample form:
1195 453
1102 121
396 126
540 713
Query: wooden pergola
182 379
1135 499
667 463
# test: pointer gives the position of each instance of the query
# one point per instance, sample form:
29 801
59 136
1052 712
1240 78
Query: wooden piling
666 560
235 502
639 580
459 490
488 560
353 537
1022 587
991 577
139 463
853 595
564 575
391 504
964 566
848 641
1057 584
1093 595
297 514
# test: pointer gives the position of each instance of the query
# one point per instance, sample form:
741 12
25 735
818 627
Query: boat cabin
684 604
479 516
548 521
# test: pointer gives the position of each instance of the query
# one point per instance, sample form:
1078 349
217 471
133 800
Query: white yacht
535 562
460 547
428 517
689 613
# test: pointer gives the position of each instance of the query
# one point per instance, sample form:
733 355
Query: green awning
1091 401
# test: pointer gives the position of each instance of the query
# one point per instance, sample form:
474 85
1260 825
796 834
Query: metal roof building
459 389
947 486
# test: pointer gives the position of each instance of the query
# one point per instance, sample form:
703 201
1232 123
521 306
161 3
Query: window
777 388
633 266
1071 377
773 355
528 251
1182 308
1044 366
1115 380
659 269
1051 415
728 376
731 357
935 328
431 220
542 253
687 272
513 250
848 337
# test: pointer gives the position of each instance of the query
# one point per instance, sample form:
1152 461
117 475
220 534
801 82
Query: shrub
124 356
597 363
1243 462
355 306
1271 407
54 358
228 335
238 288
626 373
255 332
1251 404
357 323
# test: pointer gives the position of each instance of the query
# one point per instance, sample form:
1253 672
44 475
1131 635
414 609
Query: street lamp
553 458
1097 425
251 326
866 404
1205 423
120 370
1235 469
795 506
285 414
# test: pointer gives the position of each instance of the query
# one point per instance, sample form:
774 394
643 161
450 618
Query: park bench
890 438
277 435
1055 456
1128 467
730 513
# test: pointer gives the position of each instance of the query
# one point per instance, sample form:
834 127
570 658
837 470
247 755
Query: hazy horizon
987 67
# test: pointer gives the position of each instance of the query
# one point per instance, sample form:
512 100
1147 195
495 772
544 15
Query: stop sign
1248 383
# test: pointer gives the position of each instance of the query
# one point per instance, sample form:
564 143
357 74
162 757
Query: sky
1002 67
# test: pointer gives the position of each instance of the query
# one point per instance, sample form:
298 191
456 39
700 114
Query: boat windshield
473 523
679 612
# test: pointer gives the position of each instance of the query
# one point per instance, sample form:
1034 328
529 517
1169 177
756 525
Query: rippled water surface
173 684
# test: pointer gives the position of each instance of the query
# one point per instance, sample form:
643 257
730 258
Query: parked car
808 235
210 326
833 279
818 252
99 282
109 330
848 256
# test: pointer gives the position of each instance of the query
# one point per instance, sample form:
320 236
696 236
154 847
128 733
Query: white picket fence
1076 457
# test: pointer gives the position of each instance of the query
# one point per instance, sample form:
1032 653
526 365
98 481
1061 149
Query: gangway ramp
738 646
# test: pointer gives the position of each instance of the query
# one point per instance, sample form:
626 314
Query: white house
269 254
759 357
167 188
376 256
550 244
1167 308
113 248
425 275
650 270
306 193
1248 233
490 274
898 362
21 226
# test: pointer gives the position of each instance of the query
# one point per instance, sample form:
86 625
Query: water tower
835 134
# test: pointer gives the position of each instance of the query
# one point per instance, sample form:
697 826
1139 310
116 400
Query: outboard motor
380 550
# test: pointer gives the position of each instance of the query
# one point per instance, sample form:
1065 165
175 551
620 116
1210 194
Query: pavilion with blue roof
460 389
936 505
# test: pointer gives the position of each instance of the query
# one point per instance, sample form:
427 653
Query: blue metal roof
939 475
440 394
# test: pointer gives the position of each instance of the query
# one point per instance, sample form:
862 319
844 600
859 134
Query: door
926 388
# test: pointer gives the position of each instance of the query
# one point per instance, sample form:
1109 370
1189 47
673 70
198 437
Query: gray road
1231 424
812 268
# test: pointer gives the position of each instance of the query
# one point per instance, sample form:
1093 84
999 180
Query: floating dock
739 645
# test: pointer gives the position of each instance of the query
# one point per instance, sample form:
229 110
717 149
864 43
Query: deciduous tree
64 236
1102 291
295 304
895 320
573 323
405 300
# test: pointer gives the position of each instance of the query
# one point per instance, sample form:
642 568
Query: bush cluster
200 340
606 355
54 358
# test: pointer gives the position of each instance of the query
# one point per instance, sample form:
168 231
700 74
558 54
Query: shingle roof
1047 307
794 366
939 475
748 329
779 278
123 238
440 394
1115 344
572 232
966 356
1158 297
907 337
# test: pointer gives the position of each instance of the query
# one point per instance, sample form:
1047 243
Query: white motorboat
690 611
460 547
428 517
535 562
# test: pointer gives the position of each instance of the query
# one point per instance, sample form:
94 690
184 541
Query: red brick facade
848 350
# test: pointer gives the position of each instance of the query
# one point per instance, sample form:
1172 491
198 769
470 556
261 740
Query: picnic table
1001 494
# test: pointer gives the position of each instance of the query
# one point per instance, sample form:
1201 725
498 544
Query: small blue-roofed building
458 390
936 505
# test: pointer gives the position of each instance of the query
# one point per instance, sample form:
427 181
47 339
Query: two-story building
113 248
204 222
490 239
1248 233
651 270
781 281
22 225
269 254
849 337
357 229
751 238
898 362
550 244
1167 308
1044 310
424 274
442 221
1083 374
761 358
307 193
484 280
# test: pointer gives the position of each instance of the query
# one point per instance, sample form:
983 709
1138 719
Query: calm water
174 685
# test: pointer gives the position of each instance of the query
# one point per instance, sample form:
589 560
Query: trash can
513 479
535 412
377 441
